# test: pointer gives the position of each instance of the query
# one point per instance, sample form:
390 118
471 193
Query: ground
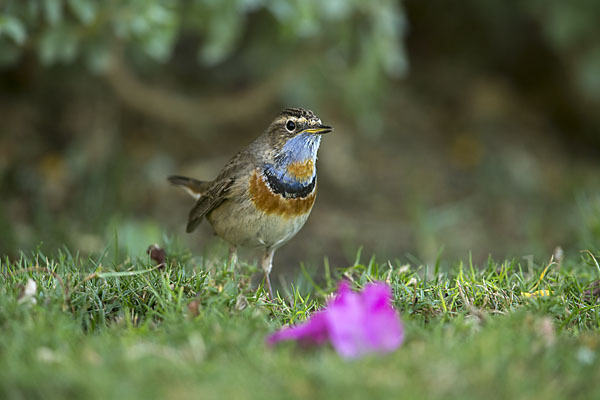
107 327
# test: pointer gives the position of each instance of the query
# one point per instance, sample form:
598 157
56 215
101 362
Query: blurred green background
471 126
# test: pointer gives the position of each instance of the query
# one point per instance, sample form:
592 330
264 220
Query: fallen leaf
193 307
28 292
241 302
157 254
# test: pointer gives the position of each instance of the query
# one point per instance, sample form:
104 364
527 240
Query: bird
265 193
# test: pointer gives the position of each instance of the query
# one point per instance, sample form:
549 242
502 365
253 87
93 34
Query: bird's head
295 135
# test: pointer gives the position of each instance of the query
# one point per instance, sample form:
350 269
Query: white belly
241 224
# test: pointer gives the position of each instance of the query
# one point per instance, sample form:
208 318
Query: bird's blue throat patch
294 173
299 148
290 190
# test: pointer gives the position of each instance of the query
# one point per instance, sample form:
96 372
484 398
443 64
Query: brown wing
219 190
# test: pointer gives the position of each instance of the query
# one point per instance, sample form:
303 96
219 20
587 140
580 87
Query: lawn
192 328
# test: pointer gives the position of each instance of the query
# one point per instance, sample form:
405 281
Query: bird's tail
193 187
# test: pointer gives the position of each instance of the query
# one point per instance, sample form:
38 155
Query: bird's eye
290 125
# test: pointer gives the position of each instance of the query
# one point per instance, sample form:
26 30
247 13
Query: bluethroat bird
265 193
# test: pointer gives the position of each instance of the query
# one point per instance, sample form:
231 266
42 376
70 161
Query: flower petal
383 328
359 324
355 324
313 331
345 320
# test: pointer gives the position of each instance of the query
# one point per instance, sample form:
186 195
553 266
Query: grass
194 329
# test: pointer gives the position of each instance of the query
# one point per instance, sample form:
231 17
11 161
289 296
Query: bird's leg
267 264
232 261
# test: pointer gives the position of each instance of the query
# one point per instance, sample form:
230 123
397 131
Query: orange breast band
303 171
269 202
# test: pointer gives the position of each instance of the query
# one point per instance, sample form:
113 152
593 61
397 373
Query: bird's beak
319 130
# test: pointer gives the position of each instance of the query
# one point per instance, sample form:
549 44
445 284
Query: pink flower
355 323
